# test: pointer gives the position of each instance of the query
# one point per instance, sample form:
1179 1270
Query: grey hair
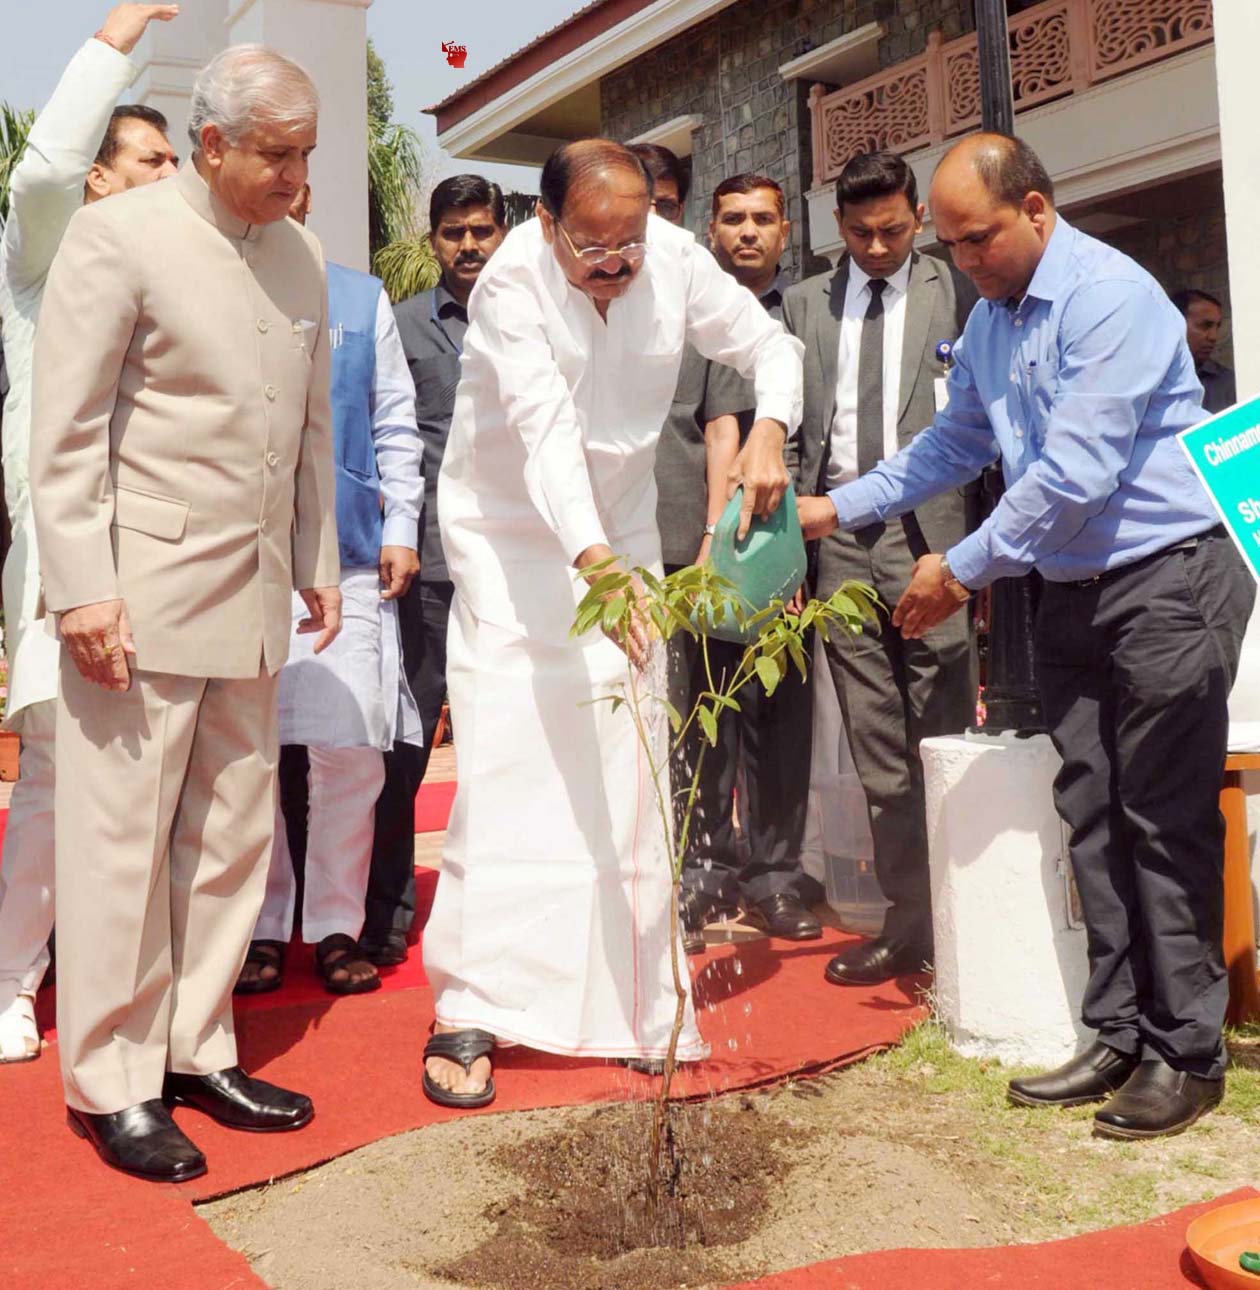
245 85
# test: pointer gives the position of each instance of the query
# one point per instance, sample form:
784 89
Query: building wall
726 70
1189 251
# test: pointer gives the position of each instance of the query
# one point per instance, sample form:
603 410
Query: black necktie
870 400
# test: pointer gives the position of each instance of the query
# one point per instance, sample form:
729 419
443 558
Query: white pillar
170 56
1010 967
329 39
1237 24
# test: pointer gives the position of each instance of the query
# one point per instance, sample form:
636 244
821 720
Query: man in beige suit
181 471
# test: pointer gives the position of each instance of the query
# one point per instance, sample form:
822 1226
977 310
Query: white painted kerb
1010 972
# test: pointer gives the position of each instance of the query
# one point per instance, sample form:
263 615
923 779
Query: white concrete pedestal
1010 971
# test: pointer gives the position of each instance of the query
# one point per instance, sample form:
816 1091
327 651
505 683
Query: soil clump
587 1219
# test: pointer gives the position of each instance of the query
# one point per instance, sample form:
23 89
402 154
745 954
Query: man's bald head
594 204
599 163
1007 167
993 206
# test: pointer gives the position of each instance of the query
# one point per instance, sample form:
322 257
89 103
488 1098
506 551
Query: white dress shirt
843 463
553 441
394 434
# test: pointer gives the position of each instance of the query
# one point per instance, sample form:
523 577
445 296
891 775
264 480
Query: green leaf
675 717
769 672
614 611
708 723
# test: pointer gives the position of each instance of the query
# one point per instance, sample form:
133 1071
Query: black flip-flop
263 954
464 1047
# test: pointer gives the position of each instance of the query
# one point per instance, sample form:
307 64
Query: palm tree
15 125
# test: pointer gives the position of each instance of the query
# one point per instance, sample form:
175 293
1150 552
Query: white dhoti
551 921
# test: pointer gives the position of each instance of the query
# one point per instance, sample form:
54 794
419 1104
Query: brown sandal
262 954
347 955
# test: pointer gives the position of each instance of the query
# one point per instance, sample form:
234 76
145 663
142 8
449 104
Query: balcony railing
1059 47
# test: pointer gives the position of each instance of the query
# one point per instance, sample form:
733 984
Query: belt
1188 544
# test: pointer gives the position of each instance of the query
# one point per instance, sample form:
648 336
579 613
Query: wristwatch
952 585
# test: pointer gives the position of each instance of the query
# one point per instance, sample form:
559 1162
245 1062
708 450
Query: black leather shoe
1089 1077
141 1140
873 962
783 915
388 950
697 908
238 1102
1157 1101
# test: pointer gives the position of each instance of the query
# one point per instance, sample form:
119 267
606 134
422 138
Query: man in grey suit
467 221
874 331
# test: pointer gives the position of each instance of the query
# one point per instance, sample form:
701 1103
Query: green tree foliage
15 125
380 93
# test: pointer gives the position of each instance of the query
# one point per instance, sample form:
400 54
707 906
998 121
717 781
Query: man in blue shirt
1074 369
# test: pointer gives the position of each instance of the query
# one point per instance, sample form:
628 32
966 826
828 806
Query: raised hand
125 23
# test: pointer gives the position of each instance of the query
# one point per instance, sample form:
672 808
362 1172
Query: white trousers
26 864
344 784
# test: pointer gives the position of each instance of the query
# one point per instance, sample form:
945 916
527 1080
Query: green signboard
1225 452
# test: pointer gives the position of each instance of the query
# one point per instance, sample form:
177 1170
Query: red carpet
1148 1256
359 1058
433 807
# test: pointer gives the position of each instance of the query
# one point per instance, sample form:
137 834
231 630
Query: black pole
1011 699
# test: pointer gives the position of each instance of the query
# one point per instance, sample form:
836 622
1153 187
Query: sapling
698 602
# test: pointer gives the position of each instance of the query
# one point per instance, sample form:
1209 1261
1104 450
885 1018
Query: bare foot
451 1076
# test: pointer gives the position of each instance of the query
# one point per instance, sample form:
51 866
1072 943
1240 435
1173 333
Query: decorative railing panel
1059 47
1131 33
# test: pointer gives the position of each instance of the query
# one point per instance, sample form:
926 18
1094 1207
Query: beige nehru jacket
181 438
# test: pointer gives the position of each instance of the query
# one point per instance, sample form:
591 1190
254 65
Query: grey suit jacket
938 301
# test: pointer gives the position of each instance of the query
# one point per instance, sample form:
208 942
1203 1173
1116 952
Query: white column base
1010 970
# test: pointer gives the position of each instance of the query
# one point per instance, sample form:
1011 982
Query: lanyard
437 322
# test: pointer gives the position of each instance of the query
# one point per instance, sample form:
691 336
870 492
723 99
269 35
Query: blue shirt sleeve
952 451
1115 347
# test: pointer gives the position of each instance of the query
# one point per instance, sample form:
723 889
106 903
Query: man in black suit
713 411
467 221
873 332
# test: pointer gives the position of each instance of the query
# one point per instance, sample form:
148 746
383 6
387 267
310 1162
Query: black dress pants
1134 670
771 736
423 614
894 693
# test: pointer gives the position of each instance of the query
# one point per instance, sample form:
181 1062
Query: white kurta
550 925
47 189
354 694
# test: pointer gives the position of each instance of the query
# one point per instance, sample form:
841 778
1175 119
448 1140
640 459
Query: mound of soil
588 1221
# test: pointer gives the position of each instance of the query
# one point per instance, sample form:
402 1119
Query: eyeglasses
592 256
667 208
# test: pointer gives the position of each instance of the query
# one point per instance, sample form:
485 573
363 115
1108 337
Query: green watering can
769 564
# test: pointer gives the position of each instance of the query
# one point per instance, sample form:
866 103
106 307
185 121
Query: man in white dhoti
80 149
551 922
345 706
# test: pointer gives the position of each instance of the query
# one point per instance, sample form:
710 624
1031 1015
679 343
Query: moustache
600 275
473 257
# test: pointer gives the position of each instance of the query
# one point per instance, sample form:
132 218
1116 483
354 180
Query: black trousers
771 738
893 694
423 614
1134 671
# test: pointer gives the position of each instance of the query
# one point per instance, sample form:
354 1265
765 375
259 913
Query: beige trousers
165 806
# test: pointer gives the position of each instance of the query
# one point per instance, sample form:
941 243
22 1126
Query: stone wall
726 71
1188 251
